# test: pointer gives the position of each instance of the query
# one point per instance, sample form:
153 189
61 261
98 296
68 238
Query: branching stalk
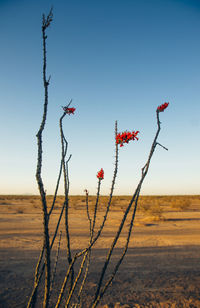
45 25
44 260
66 191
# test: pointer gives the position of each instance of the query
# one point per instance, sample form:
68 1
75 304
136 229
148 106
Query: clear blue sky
118 60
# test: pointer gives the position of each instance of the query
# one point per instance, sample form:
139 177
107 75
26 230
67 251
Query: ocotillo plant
68 295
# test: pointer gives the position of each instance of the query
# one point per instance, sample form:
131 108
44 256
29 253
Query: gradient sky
117 60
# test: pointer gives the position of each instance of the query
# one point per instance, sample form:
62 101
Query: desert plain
160 269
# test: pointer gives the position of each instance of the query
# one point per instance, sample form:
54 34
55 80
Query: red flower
69 110
162 107
100 174
125 137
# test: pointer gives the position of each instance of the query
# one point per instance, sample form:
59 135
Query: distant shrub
181 204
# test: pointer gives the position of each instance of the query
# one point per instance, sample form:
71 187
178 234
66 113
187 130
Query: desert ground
160 269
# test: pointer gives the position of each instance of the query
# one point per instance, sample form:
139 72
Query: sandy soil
161 268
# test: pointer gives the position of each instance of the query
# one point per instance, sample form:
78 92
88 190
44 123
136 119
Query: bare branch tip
162 146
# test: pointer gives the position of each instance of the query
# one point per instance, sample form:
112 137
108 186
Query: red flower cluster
162 107
125 137
100 174
69 110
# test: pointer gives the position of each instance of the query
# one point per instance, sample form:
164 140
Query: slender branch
162 146
110 196
100 293
57 226
56 262
122 256
95 209
57 184
33 297
85 276
66 190
45 25
39 263
87 210
89 252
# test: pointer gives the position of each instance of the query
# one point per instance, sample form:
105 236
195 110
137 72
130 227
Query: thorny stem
110 197
95 209
39 263
121 258
66 190
87 210
33 297
52 207
45 25
100 293
85 277
56 262
57 185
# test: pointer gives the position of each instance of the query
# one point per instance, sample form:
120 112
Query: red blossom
69 110
162 107
125 137
100 174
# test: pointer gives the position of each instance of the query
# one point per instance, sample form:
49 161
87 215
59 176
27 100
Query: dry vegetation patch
153 207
